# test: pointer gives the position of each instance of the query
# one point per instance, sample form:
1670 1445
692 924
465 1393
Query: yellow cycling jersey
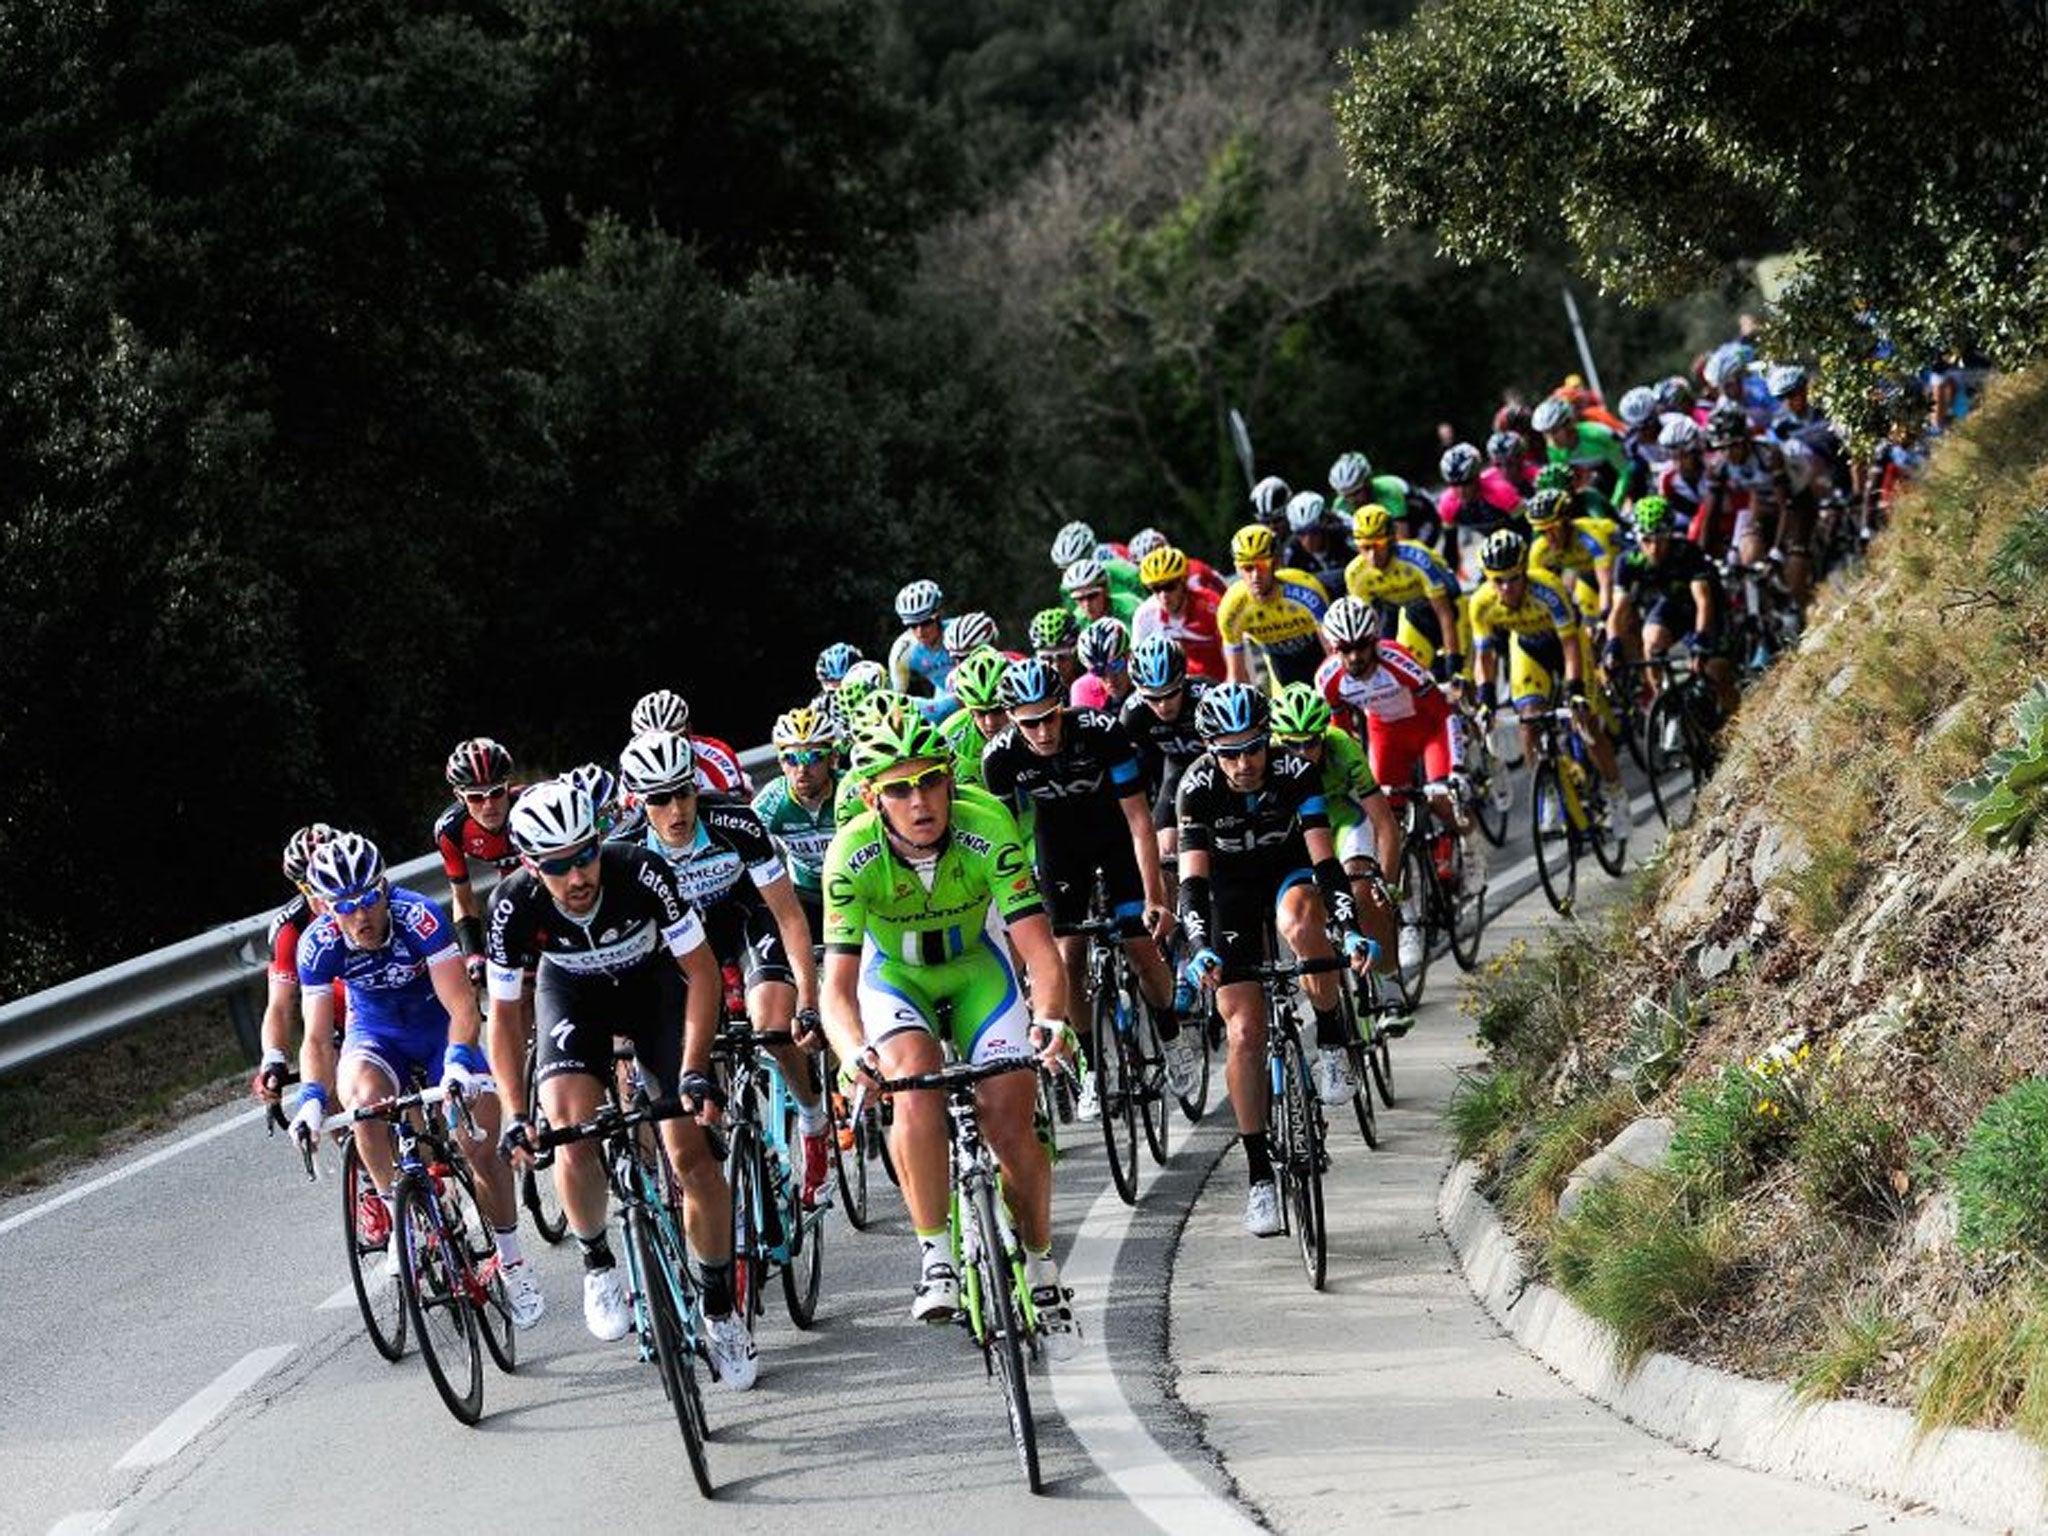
1279 622
1543 610
1413 575
1587 545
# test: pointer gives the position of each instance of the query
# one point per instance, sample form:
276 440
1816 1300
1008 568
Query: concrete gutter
1990 1478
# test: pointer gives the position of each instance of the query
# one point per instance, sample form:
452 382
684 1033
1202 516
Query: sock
597 1252
1329 1028
390 1210
509 1256
812 1120
1165 1022
934 1250
716 1280
1258 1160
1039 1269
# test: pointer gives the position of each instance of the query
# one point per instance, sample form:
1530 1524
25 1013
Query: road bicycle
1441 897
996 1305
668 1317
1123 1050
1295 1132
1493 786
1679 735
772 1228
1563 781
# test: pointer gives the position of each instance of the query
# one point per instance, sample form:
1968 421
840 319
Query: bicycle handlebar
1280 970
608 1119
959 1074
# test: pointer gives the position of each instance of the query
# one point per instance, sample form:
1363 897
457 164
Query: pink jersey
1495 491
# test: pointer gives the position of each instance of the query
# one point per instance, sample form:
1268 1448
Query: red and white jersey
718 767
1400 689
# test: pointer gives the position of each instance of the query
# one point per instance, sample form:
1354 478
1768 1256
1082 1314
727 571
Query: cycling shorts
1398 747
1673 611
575 1018
1535 666
1243 895
977 993
745 934
1066 878
1357 842
403 1052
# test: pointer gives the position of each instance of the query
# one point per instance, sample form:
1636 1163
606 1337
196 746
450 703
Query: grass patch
1643 1257
1560 1142
1484 1109
1992 1366
1852 1160
1530 1002
1733 1125
1859 1336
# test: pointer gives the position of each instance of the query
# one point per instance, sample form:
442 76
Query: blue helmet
1159 665
1031 681
347 864
835 659
1230 708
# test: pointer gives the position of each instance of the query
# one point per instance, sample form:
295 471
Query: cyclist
1576 550
1077 541
1056 641
833 664
724 861
978 684
1160 720
966 633
1409 727
1412 508
1316 541
910 883
1477 496
1255 839
1202 576
1744 506
590 920
1508 452
1593 451
1179 611
796 808
1682 481
1407 578
412 1015
1086 585
1362 823
718 766
1269 500
1273 609
1668 590
919 663
1641 422
1105 656
470 835
1079 773
1543 630
281 941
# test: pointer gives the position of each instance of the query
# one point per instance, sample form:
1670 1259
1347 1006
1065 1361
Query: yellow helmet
802 727
1548 508
1163 566
1373 524
1251 544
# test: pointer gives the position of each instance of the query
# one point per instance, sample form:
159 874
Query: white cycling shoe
523 1296
1056 1324
607 1310
1183 1067
938 1295
1262 1210
1332 1073
734 1358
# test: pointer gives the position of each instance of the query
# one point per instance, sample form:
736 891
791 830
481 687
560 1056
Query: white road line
202 1408
177 1148
84 1522
1094 1405
345 1297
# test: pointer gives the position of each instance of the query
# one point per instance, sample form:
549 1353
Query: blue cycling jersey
912 661
388 987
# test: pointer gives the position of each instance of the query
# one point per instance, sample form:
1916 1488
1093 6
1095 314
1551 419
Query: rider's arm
316 1051
451 986
840 1004
1047 974
703 1004
507 959
780 896
1386 831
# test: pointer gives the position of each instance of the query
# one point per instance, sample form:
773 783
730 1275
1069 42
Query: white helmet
344 865
661 710
919 602
1553 413
1269 496
1351 621
556 814
1306 510
1144 541
656 761
1074 542
1082 575
966 632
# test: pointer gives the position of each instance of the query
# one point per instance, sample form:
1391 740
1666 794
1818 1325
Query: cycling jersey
1285 626
1194 627
718 767
1326 565
1581 549
1406 717
918 668
802 835
396 1018
1256 850
1544 609
1414 574
1594 449
462 840
722 870
1092 692
1165 747
967 742
1482 507
1076 793
1347 779
1661 592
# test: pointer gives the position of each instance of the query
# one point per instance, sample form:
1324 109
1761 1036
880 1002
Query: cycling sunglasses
484 796
1242 749
805 757
563 863
661 797
904 788
1033 722
361 901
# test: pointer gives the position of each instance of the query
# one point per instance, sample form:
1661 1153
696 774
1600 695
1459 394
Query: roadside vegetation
1829 988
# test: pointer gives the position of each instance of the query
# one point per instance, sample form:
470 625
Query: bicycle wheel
1356 1047
743 1171
804 1270
1145 1066
1196 1028
1557 856
537 1185
380 1300
661 1297
482 1276
1496 789
1418 879
1672 757
1003 1330
852 1146
1302 1154
1610 851
1114 1091
430 1276
1628 718
1468 909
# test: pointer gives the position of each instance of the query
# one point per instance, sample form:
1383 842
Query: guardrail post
248 1023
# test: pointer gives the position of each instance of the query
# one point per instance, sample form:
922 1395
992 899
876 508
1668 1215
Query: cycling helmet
1505 447
1351 621
346 864
1512 417
596 781
1554 477
802 727
1269 497
661 710
1228 709
1785 379
1460 464
1680 434
1105 645
1084 576
1030 681
919 602
1251 544
1163 567
1726 362
862 679
1553 413
891 738
298 850
835 659
1300 713
1653 516
1505 553
1306 510
478 764
1349 475
655 761
1638 405
1159 666
877 706
1727 423
1374 524
1144 541
555 815
977 682
1548 508
1054 629
1074 542
968 632
1674 394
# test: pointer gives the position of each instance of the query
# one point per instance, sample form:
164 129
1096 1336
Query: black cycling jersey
730 857
1078 786
1165 746
1232 825
1683 564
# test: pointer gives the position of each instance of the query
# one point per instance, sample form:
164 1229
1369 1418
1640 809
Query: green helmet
1554 477
862 679
1054 629
1300 712
978 678
896 736
1653 516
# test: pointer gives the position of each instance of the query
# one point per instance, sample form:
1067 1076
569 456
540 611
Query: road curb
1991 1478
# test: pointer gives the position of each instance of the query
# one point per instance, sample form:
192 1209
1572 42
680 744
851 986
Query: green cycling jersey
1347 778
966 740
802 835
935 916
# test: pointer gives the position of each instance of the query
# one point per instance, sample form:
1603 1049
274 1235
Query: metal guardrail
224 963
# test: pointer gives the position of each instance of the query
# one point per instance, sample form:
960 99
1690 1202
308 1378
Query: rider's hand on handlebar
806 1029
1204 969
1159 922
515 1141
702 1097
1054 1042
268 1083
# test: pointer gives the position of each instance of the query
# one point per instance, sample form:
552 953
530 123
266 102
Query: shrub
1851 1159
1530 1003
1731 1127
1857 1338
1562 1140
2006 800
1659 1034
1643 1257
2001 1175
1484 1108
